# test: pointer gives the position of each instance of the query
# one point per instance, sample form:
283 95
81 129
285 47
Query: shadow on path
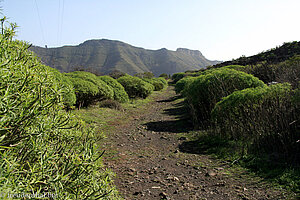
179 119
174 98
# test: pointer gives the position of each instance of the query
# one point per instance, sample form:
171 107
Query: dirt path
150 165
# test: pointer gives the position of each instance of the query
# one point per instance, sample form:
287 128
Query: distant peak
190 52
163 49
97 41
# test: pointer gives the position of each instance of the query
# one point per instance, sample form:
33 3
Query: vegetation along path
151 151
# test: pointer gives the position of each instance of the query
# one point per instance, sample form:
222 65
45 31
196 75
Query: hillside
272 56
104 56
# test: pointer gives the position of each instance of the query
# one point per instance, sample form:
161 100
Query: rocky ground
153 159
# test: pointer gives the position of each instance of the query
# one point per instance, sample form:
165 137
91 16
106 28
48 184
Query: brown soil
144 152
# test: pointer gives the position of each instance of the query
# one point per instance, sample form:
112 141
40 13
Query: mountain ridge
103 56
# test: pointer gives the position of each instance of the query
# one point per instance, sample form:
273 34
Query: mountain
104 56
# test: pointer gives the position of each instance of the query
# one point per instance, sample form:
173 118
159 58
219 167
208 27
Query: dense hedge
164 75
85 89
163 80
286 71
158 84
136 87
265 116
181 80
183 83
120 94
206 90
43 148
86 92
177 76
235 67
68 94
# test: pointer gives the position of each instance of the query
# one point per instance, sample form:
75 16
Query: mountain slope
272 56
104 56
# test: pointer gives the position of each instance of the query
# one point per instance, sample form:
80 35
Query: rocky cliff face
104 56
195 53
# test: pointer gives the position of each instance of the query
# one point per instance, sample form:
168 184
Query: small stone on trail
176 151
172 178
211 173
155 187
132 169
163 137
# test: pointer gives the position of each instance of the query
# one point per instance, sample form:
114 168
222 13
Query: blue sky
220 29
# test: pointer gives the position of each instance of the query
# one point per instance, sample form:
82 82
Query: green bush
103 90
177 76
296 97
68 94
157 83
183 83
263 116
211 69
206 90
43 148
86 92
147 75
236 67
164 75
163 80
136 87
286 71
116 74
119 91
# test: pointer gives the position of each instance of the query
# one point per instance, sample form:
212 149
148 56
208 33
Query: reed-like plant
43 149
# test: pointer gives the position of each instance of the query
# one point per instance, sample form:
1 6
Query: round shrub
182 83
158 85
206 90
163 80
104 91
136 87
259 114
69 96
236 67
120 94
68 93
177 76
86 92
164 75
